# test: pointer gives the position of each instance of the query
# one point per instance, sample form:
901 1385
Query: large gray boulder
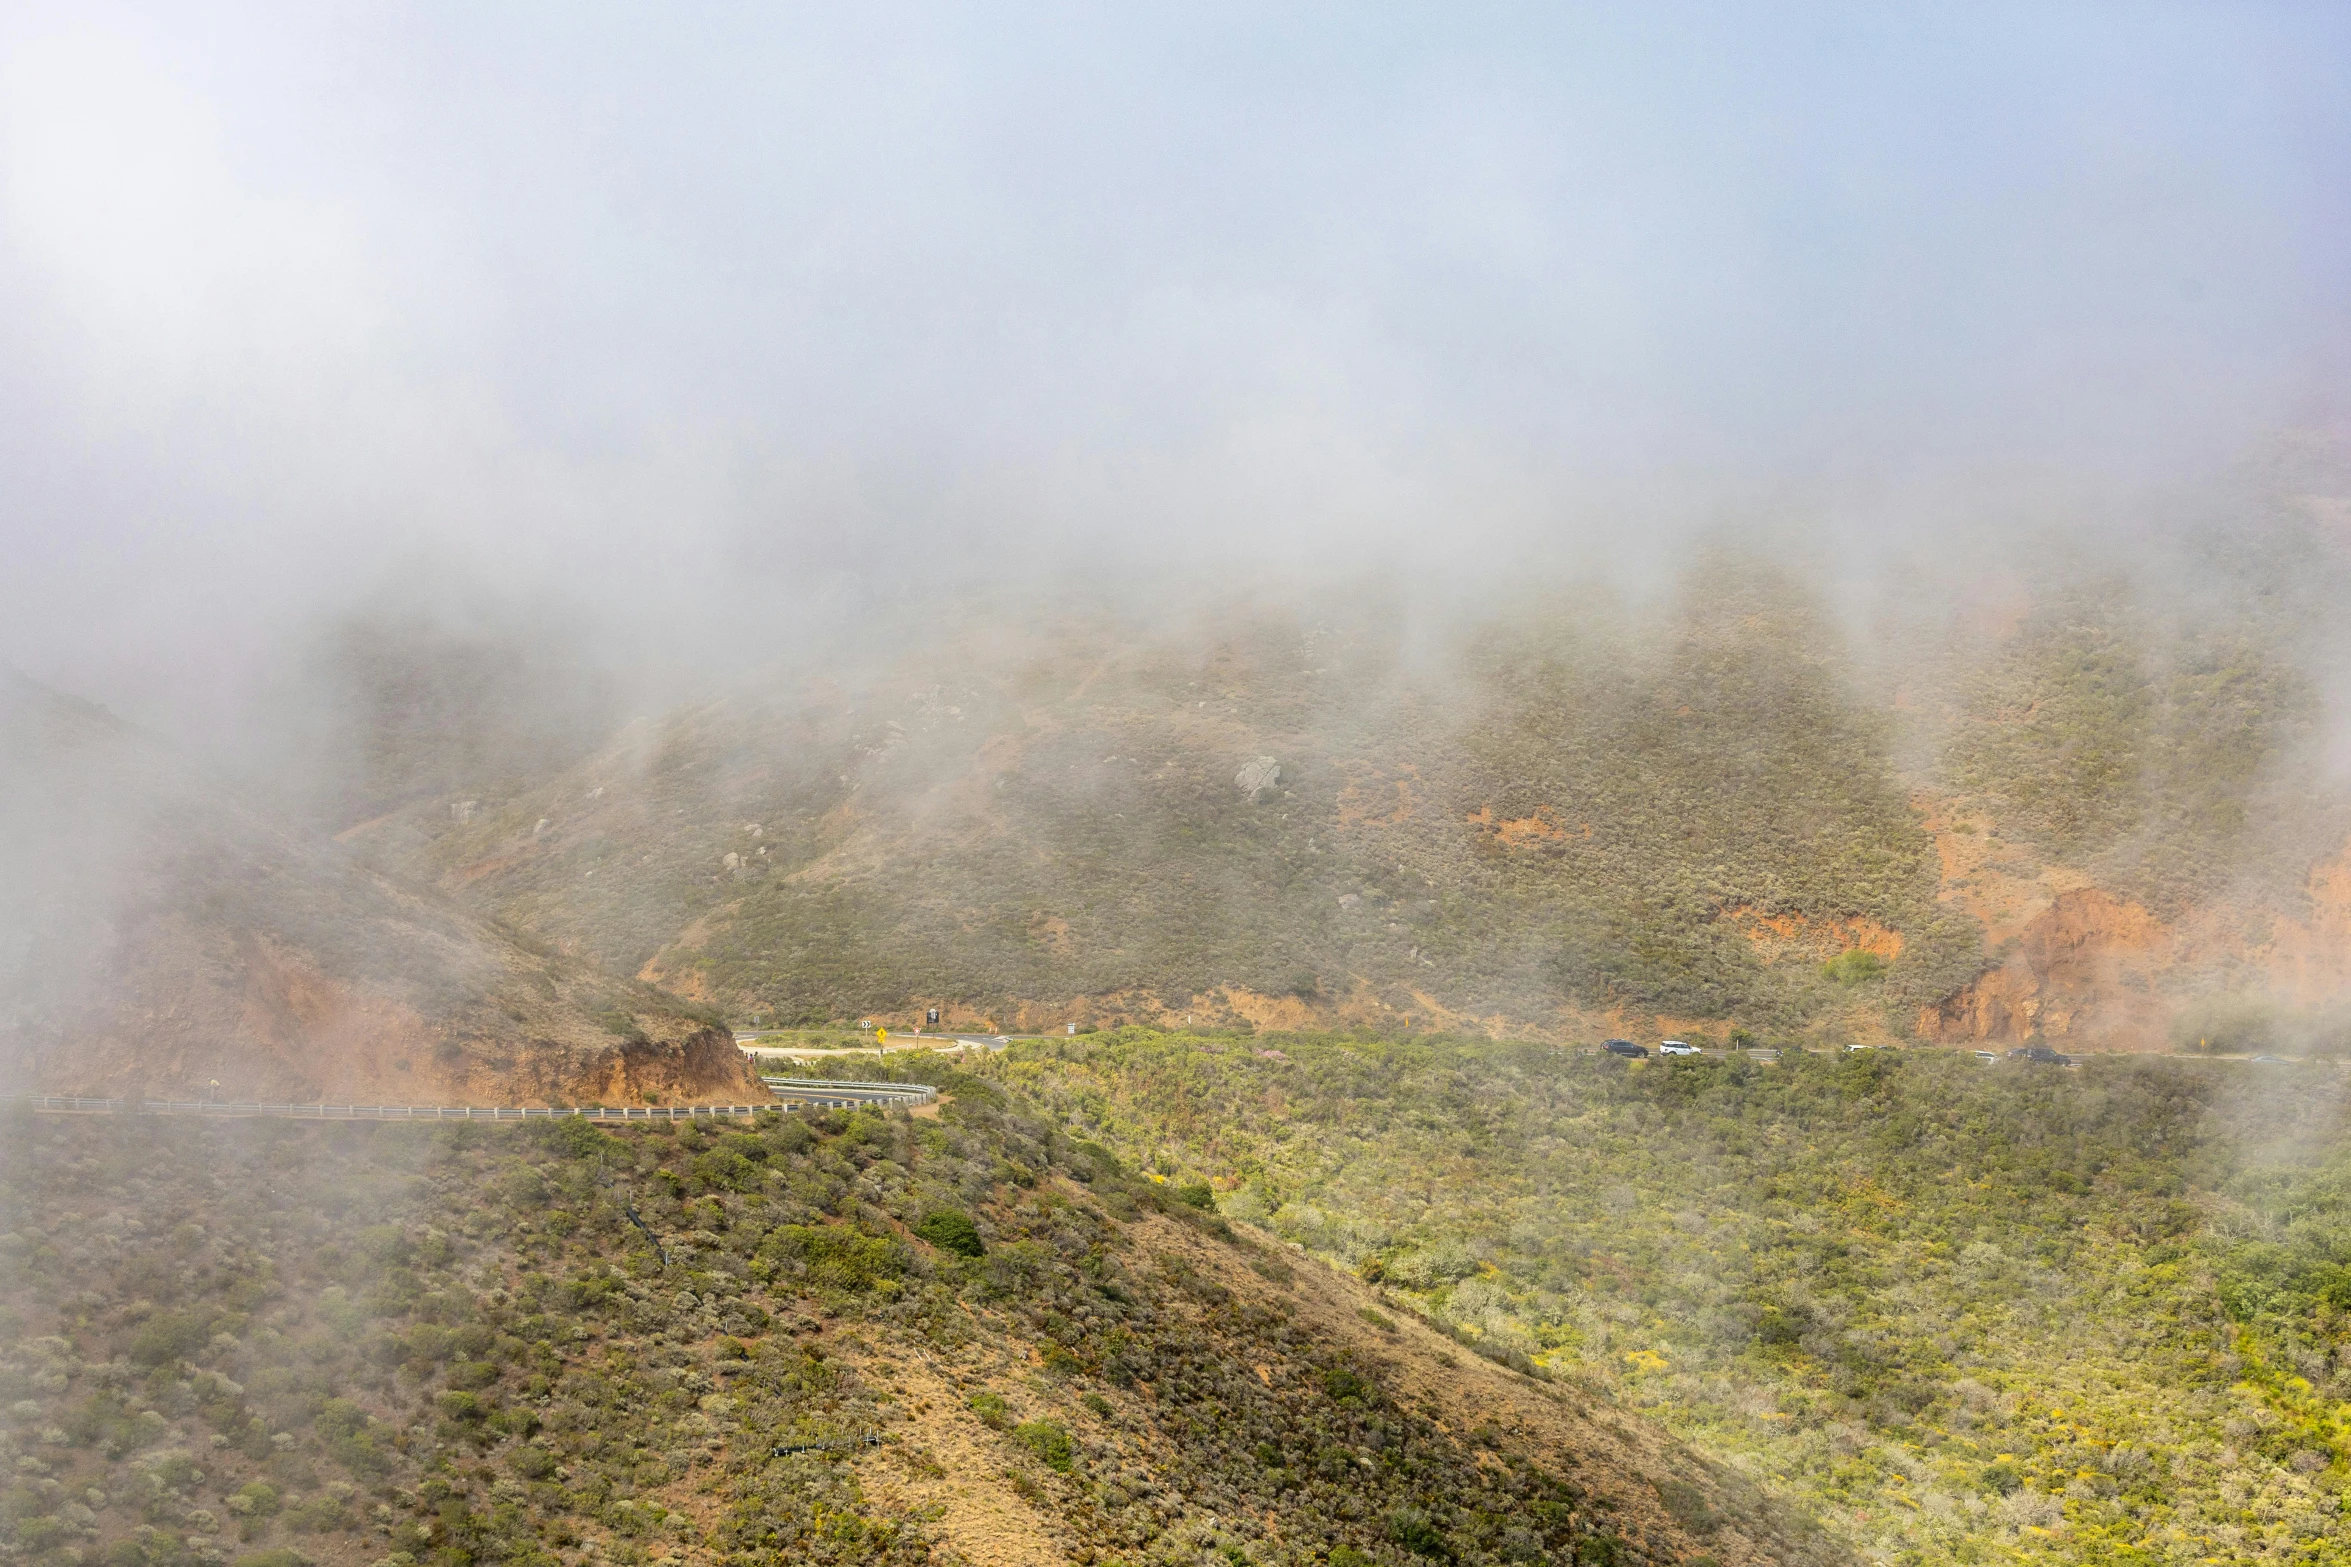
1258 776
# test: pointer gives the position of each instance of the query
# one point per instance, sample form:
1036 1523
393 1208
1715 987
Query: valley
1175 786
1304 1227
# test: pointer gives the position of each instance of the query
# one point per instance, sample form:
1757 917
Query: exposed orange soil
1381 801
267 1024
1516 832
359 830
2309 962
672 967
466 875
1778 936
2087 969
2078 963
2005 887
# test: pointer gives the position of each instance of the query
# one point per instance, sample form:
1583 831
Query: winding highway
792 1093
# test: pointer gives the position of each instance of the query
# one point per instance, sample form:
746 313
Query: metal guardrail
823 1091
325 1112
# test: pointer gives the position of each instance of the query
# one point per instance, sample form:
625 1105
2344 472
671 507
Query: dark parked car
1625 1047
2040 1053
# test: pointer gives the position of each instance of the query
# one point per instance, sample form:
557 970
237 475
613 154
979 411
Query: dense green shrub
1418 1533
1856 967
831 1256
1049 1440
950 1229
170 1336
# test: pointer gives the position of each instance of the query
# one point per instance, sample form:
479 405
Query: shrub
992 1411
1688 1506
571 1137
953 1231
1049 1440
727 1170
1195 1194
461 1406
1856 967
170 1336
318 1514
833 1256
1417 1532
256 1500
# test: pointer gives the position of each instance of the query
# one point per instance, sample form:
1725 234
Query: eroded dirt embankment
2076 962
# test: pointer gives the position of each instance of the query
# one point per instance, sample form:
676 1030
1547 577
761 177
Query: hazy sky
688 308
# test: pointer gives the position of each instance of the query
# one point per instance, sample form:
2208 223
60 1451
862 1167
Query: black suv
1625 1047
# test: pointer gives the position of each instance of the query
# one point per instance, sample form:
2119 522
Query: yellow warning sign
881 1036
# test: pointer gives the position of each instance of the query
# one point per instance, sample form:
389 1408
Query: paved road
791 1094
818 1090
750 1042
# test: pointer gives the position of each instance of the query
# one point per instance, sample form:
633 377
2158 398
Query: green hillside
1975 1314
824 1339
2163 759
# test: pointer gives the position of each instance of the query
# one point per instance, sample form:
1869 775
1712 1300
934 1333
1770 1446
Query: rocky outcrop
2086 970
704 1066
1257 776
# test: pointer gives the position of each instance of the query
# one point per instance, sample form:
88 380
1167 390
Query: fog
1804 528
666 326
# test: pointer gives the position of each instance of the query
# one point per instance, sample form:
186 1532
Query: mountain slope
498 1366
158 938
1972 1313
1558 827
1707 821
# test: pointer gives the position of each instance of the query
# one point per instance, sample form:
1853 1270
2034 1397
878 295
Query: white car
1675 1047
